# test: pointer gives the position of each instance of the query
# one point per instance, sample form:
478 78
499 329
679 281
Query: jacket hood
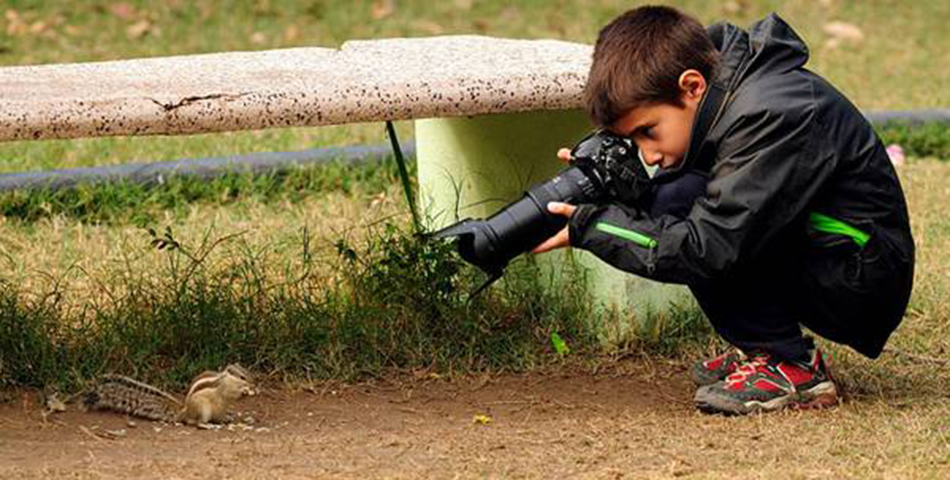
769 45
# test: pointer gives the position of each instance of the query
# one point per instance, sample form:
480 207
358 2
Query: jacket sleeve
769 169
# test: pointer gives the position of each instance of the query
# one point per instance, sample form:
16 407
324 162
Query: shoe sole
823 395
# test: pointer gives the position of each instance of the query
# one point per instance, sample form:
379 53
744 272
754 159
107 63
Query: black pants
846 293
756 307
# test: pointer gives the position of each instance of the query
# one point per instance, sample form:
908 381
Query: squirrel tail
126 395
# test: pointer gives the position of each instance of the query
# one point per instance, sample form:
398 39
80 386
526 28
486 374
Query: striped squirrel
207 400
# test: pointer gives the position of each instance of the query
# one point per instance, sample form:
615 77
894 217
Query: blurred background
883 54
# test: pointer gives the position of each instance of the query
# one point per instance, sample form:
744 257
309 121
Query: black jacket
787 156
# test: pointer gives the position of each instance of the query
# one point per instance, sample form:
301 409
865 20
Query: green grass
928 140
123 202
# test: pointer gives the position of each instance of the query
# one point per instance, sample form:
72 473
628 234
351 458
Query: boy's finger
557 241
545 246
560 208
564 155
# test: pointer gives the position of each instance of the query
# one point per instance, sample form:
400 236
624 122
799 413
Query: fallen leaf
736 7
38 27
15 24
481 419
138 29
258 38
382 9
291 33
122 10
843 31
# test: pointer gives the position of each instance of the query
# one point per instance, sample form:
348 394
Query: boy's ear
692 85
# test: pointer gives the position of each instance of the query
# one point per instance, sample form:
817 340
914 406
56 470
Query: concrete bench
489 113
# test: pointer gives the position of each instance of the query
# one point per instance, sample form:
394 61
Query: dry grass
857 440
90 256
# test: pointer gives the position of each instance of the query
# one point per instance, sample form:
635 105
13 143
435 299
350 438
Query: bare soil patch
635 422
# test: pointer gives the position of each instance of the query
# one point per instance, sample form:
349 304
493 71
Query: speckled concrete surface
363 81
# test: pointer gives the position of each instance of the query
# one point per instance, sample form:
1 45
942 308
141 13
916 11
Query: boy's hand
562 238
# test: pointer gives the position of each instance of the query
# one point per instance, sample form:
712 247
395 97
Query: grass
138 204
334 286
928 140
395 302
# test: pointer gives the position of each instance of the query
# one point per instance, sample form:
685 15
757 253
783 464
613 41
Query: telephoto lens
603 166
491 243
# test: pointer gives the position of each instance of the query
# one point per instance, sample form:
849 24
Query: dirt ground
636 421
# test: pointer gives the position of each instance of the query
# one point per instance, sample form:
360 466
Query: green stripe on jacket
635 237
824 223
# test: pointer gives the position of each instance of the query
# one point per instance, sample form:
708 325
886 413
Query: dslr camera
604 167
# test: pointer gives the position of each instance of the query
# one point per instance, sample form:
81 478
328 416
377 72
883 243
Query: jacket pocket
836 261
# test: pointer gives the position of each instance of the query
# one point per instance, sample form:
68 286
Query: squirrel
207 400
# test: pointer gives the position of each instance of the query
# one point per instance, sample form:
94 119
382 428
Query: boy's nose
650 158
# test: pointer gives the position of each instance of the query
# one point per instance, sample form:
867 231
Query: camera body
604 167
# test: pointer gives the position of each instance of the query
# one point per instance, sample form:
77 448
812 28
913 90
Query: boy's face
662 131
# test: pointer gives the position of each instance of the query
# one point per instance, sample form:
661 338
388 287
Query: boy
775 201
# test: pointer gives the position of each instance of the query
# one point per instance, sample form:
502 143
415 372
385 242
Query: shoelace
721 359
747 369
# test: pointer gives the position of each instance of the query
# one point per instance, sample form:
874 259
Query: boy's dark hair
638 60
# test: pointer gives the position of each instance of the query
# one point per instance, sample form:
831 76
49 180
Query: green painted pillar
473 166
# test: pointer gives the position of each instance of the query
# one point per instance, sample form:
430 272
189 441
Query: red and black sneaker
764 383
715 369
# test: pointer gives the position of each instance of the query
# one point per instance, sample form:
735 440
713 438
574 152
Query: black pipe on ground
909 117
157 172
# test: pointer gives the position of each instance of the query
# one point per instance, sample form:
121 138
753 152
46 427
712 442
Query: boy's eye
646 132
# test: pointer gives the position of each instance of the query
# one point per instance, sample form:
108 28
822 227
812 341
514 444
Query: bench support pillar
473 166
